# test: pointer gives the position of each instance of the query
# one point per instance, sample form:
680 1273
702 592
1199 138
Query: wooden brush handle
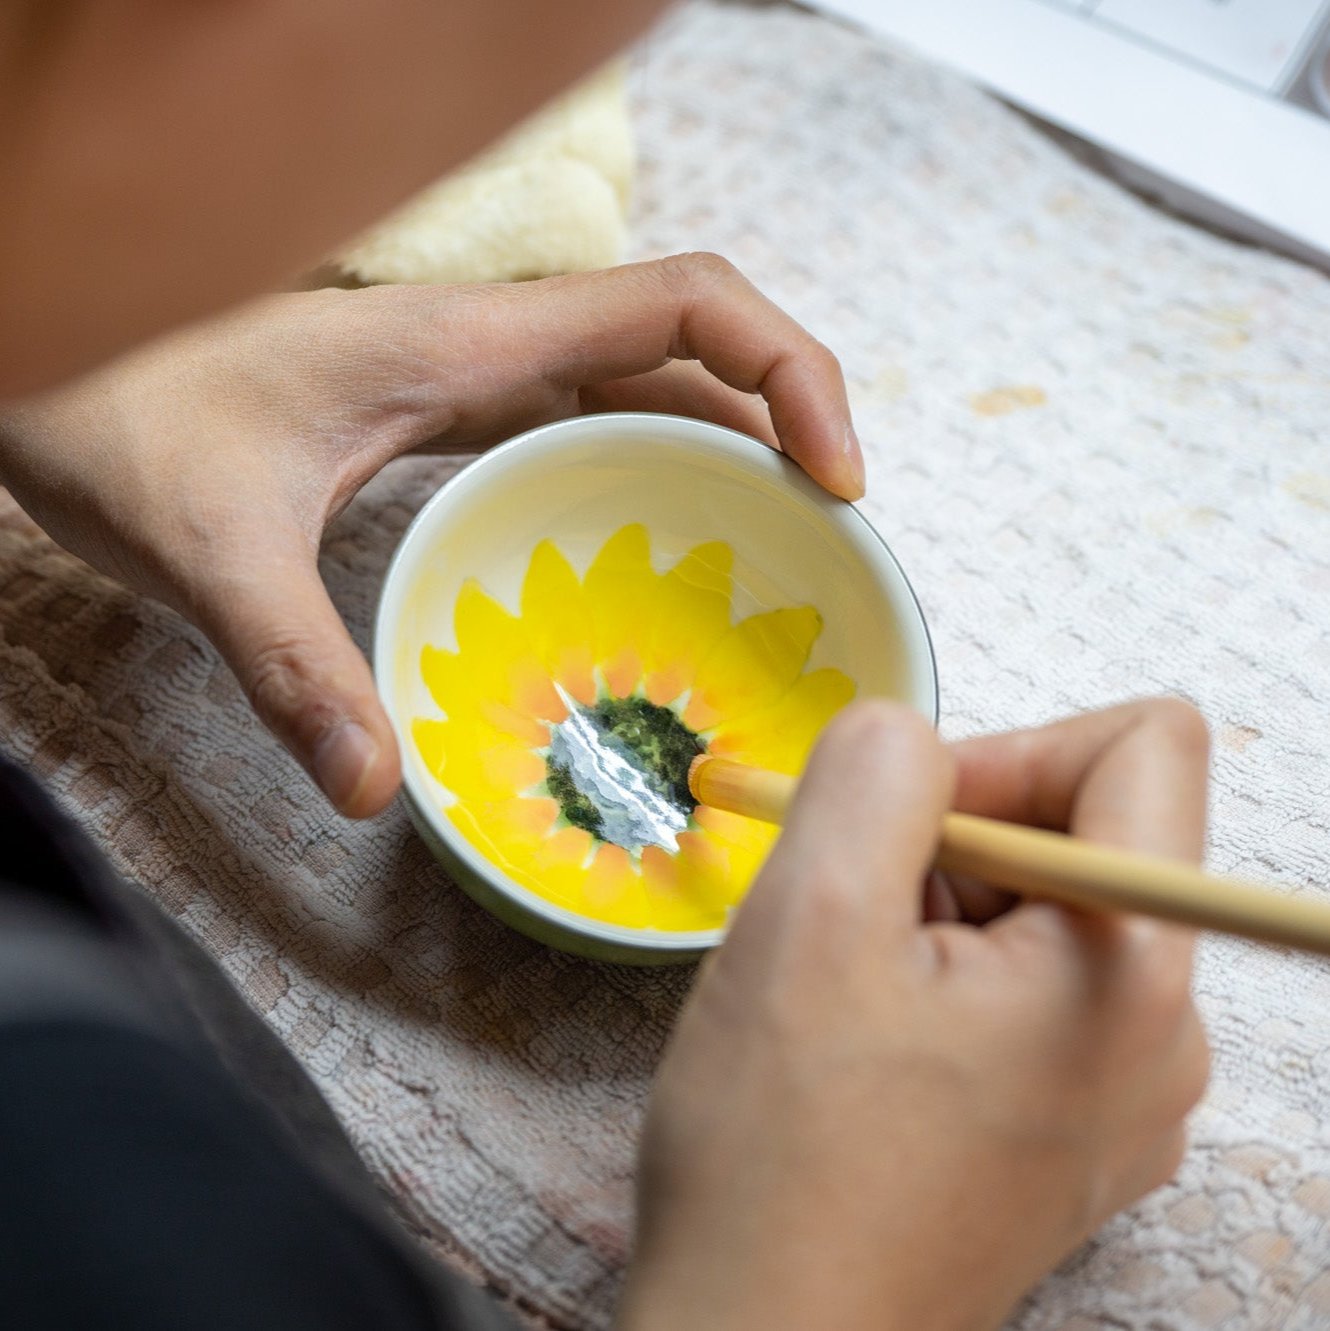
1060 868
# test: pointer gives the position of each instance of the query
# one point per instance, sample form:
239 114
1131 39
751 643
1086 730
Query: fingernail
854 454
342 759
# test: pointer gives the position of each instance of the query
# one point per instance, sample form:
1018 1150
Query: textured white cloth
1095 441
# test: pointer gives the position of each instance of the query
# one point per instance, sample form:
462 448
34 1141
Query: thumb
307 680
864 822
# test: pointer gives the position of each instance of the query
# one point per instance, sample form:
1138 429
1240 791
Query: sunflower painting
568 728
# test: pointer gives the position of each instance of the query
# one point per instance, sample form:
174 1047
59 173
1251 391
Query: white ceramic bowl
577 482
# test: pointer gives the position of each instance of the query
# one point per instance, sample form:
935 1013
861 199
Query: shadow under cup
687 482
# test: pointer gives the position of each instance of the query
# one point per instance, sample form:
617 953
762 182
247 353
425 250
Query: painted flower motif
611 681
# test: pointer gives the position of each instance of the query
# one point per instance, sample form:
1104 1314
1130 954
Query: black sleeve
165 1164
138 1191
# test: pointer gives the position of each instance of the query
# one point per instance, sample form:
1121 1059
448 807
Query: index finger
1131 776
858 838
596 327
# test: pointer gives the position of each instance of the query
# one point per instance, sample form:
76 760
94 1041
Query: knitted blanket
1095 441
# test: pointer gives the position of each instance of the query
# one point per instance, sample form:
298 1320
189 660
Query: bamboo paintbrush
1057 867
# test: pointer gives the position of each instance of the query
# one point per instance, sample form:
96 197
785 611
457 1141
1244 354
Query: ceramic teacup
568 489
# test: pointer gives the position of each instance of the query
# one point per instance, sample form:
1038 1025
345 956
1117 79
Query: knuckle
709 266
1181 723
879 723
820 901
1156 975
834 903
275 680
1163 987
698 270
825 360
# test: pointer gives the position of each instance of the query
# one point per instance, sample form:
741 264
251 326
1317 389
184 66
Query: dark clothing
165 1163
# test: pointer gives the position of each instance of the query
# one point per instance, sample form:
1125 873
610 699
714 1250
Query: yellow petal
568 847
668 906
558 622
459 689
689 890
428 737
672 903
476 761
557 870
782 736
752 665
746 842
613 891
448 679
509 832
620 588
692 614
659 868
497 661
535 734
733 830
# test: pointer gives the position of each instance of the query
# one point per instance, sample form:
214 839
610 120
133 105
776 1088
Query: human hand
204 469
870 1120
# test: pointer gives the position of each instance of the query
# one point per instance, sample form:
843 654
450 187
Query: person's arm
204 468
867 1119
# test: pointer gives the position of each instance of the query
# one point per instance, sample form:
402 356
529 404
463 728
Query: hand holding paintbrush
957 1107
1057 867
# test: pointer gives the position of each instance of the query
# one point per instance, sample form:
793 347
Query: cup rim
702 436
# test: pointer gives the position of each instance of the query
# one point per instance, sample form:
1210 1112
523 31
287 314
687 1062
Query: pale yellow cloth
550 198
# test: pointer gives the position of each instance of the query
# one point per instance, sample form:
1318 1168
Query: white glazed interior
577 482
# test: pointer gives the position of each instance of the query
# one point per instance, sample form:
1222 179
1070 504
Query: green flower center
619 770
